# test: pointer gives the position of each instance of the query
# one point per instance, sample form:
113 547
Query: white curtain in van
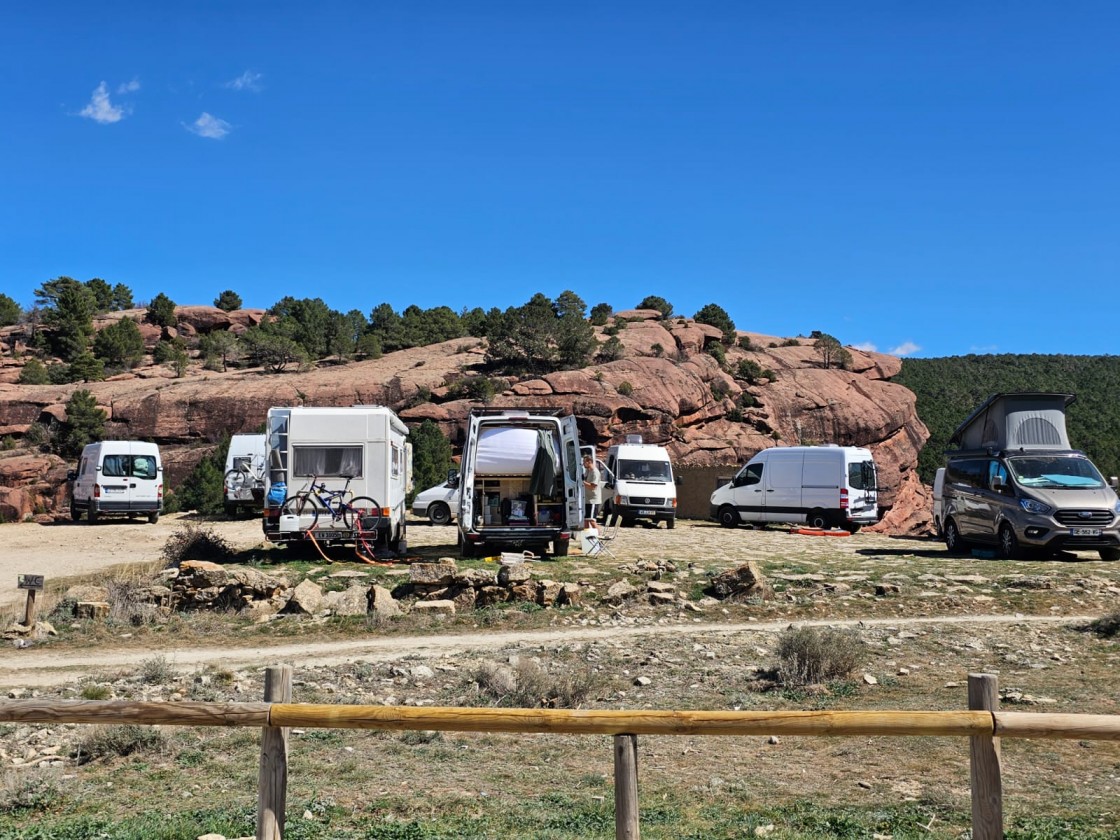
327 461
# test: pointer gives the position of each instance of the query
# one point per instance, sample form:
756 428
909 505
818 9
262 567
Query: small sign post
33 584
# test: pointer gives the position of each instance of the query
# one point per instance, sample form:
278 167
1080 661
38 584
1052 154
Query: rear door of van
145 480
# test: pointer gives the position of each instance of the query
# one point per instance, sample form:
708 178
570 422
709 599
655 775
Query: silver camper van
1015 483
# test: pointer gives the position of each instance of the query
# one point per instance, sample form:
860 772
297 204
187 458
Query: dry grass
807 656
527 684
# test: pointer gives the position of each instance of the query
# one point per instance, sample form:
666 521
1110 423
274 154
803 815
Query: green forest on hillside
950 388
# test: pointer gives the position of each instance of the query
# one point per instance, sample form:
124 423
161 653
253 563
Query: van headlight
1031 506
1116 507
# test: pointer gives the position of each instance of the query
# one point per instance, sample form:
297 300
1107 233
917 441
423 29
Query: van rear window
122 466
327 461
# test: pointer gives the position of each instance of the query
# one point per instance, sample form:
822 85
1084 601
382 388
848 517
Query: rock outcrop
666 384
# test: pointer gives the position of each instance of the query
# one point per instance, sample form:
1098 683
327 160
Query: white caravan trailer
644 487
520 482
243 484
821 486
117 477
362 449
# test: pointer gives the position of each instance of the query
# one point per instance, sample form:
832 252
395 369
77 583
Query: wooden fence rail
983 724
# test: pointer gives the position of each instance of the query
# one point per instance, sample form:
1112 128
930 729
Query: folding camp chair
599 544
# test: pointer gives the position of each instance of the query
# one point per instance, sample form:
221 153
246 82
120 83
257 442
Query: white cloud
906 348
246 81
209 126
866 347
129 87
100 109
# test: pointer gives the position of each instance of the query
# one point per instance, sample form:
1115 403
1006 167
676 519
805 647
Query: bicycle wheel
305 507
364 510
237 480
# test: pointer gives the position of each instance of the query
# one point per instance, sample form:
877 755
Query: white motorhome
243 484
361 449
644 486
820 486
520 482
117 477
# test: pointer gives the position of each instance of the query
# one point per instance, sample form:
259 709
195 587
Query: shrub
749 369
625 388
1107 626
156 671
716 352
526 684
807 655
195 541
118 740
611 350
20 790
95 691
745 342
790 342
719 389
128 606
34 372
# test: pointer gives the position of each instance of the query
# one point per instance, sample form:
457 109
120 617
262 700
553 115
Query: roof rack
547 411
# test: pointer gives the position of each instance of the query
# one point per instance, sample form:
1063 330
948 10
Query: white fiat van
117 477
820 486
644 486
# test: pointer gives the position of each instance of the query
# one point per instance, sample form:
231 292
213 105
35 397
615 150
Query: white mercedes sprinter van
117 477
820 486
644 486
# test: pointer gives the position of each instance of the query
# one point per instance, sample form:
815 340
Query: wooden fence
983 724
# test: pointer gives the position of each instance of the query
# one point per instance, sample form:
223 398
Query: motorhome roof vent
633 438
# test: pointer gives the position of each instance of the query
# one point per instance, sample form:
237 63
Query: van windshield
1056 472
643 470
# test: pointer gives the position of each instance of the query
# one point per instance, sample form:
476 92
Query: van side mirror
453 478
72 475
997 483
1112 482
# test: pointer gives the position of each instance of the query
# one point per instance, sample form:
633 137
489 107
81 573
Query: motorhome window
327 461
144 466
395 462
1038 431
644 470
115 466
1056 472
861 475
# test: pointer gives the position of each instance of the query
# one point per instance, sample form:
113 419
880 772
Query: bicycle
318 500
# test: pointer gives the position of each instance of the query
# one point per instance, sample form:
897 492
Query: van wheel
75 514
671 523
953 541
1110 554
819 519
153 517
728 516
439 513
91 514
853 528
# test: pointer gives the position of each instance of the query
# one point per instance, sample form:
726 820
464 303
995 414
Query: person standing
592 490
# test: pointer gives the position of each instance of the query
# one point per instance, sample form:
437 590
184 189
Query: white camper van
644 487
821 486
315 454
243 484
117 477
520 482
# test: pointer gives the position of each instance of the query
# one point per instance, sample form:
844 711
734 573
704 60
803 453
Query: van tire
153 517
819 520
1110 555
671 523
953 541
853 528
439 513
91 514
728 517
75 513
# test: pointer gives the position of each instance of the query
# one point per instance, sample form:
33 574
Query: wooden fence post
29 609
272 785
987 780
626 787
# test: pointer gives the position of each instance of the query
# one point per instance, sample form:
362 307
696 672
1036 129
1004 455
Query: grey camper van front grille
1073 518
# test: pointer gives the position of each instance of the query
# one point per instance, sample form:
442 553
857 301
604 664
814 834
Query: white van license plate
1084 532
647 513
109 489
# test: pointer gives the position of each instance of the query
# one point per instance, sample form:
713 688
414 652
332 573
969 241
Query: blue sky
930 179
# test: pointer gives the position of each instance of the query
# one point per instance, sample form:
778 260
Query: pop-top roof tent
1016 421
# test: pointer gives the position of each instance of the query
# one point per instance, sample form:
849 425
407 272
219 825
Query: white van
520 482
440 503
243 484
117 477
315 455
644 487
820 486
